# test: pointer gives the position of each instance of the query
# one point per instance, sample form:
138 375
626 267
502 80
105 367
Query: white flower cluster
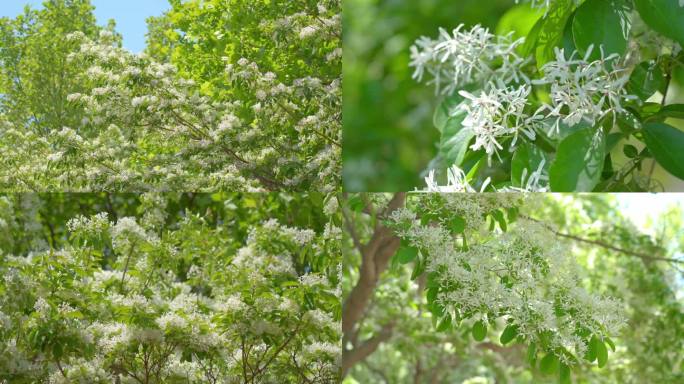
466 57
583 90
127 232
89 225
497 113
280 132
457 181
235 314
524 275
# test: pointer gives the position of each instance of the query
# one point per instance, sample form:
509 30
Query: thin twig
602 244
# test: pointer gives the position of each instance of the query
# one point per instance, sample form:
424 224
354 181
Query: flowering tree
136 122
550 105
444 287
169 289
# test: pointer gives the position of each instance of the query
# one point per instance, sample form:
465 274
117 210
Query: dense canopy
239 95
177 288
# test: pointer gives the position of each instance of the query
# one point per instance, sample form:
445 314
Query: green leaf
479 330
513 213
672 110
445 323
531 39
591 349
356 203
601 354
579 162
457 224
630 151
406 254
432 294
666 144
532 353
601 23
611 140
520 20
499 217
508 334
455 139
551 31
645 80
610 343
418 268
444 109
664 16
549 364
564 374
628 122
526 159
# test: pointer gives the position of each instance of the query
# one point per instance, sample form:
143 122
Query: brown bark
375 257
363 350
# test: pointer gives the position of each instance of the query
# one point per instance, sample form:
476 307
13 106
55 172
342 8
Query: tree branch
601 244
353 356
375 257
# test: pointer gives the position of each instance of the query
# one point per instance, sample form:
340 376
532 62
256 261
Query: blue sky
130 16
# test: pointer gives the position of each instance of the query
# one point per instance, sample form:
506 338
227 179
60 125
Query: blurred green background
389 137
388 134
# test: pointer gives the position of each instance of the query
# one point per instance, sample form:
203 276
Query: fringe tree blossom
199 304
457 181
466 57
525 276
533 181
496 114
583 90
145 127
501 106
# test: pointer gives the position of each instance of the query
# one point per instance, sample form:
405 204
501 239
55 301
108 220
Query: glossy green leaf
519 20
508 334
444 323
444 111
526 160
601 354
406 254
591 349
551 31
499 217
601 23
479 330
675 111
418 268
666 144
665 16
531 39
630 151
646 79
579 162
532 353
455 140
564 374
549 364
457 224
